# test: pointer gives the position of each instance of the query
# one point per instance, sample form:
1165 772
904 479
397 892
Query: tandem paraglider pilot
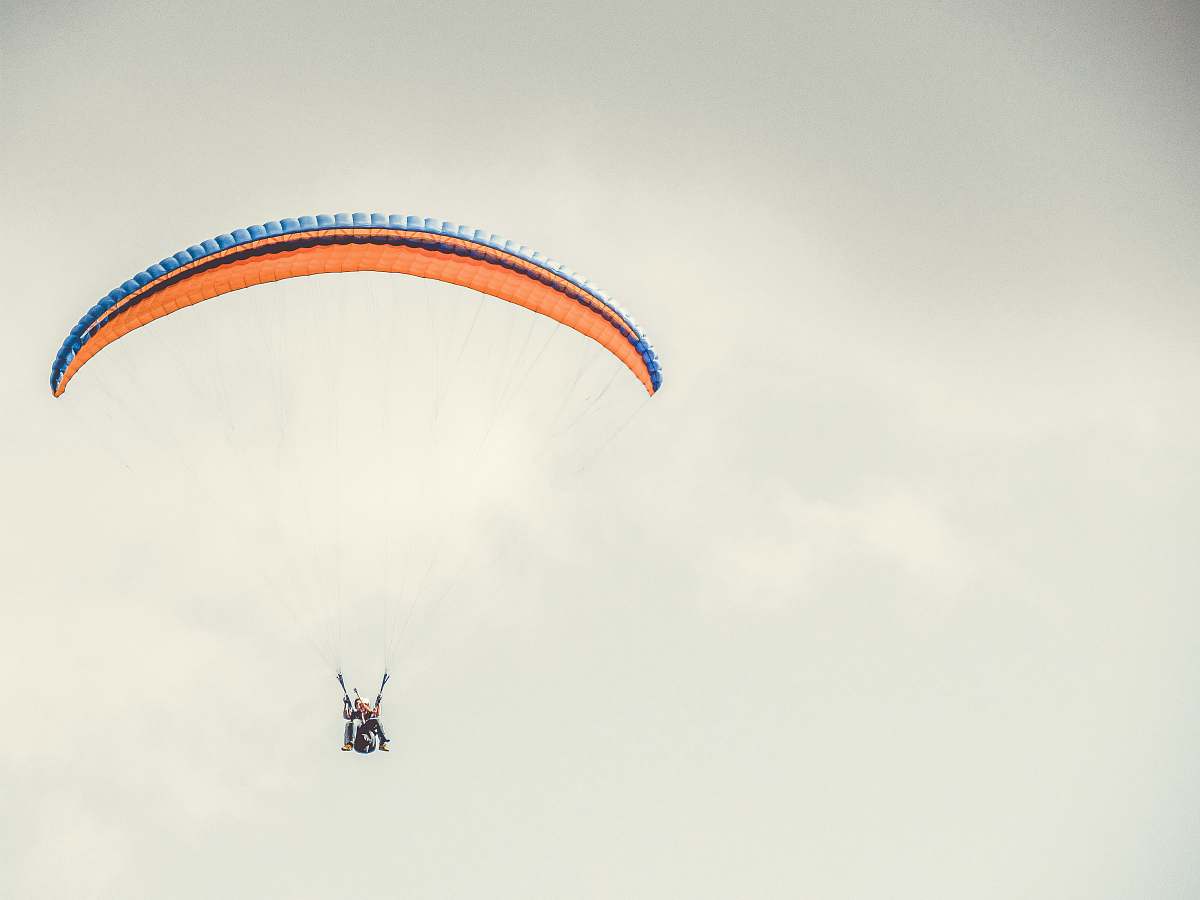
363 732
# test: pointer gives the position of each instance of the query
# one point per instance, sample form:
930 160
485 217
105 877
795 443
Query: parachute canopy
358 242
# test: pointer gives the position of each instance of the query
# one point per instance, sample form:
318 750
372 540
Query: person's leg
348 734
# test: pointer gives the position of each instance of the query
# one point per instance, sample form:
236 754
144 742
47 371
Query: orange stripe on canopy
496 273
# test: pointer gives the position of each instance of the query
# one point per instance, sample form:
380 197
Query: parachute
375 443
358 242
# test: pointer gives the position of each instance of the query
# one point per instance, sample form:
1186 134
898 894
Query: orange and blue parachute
359 242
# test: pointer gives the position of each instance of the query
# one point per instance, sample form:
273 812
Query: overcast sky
890 592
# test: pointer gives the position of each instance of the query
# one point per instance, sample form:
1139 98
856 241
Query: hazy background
899 596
